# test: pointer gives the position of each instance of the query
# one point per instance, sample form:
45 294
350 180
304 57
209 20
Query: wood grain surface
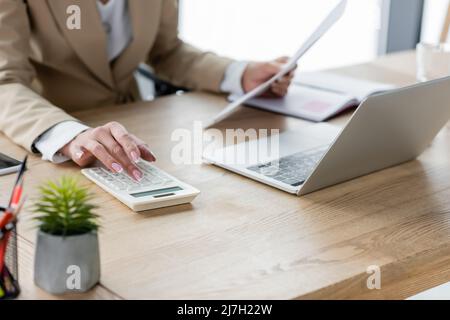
242 239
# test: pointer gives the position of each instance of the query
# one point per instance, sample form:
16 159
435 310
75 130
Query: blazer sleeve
24 114
180 63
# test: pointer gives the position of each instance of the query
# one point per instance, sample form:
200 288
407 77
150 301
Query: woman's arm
24 114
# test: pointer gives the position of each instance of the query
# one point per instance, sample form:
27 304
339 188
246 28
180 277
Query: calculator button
153 179
157 181
135 188
145 181
119 186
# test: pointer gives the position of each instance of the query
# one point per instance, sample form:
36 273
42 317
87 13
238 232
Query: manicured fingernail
153 155
134 156
117 167
79 154
137 175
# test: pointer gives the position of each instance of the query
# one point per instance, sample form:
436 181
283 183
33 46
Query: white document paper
357 88
323 28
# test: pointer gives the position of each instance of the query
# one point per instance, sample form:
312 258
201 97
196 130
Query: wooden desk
243 239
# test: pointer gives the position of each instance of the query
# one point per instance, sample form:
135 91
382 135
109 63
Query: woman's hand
117 149
259 72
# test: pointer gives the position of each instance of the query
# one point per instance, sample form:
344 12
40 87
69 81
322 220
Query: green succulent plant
64 209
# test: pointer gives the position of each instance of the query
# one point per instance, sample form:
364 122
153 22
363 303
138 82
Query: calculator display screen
156 192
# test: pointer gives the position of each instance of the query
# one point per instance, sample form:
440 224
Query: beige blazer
71 67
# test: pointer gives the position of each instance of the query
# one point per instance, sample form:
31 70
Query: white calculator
157 189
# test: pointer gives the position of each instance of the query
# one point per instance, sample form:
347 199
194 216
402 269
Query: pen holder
9 275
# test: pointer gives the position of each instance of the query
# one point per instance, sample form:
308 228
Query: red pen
18 186
8 216
11 214
17 194
5 219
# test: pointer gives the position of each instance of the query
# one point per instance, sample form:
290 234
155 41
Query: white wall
433 21
265 29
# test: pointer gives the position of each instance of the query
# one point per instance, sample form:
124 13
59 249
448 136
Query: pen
15 215
17 191
8 216
5 219
10 213
22 169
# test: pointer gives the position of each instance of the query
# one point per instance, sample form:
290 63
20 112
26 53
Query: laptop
386 130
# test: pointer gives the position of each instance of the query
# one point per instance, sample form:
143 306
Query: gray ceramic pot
67 264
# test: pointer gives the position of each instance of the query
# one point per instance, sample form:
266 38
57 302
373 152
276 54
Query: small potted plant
67 251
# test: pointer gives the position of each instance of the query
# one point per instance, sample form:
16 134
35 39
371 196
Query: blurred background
264 29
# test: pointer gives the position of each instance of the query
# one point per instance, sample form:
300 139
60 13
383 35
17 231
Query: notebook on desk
318 96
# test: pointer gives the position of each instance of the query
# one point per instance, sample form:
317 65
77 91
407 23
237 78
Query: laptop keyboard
293 169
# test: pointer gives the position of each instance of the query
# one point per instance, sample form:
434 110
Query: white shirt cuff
232 82
57 137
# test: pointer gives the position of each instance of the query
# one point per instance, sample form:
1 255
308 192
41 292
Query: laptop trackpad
272 148
314 136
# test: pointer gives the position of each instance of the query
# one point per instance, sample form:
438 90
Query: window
433 20
266 29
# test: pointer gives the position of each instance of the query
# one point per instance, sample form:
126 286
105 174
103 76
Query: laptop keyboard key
292 170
